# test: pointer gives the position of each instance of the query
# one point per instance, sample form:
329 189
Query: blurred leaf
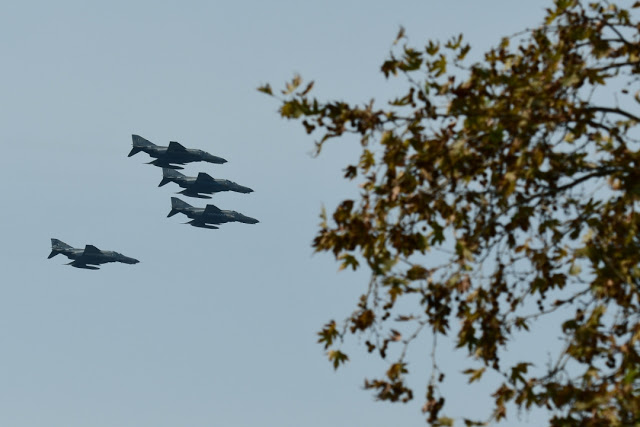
337 358
474 374
266 89
400 36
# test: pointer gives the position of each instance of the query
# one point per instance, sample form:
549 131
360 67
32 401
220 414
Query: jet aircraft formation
169 158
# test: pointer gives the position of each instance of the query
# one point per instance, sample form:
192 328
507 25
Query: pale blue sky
212 328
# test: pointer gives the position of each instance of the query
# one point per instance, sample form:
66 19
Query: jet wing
90 249
204 178
211 210
175 147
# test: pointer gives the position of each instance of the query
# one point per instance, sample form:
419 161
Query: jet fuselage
221 217
89 256
203 183
173 153
181 157
209 215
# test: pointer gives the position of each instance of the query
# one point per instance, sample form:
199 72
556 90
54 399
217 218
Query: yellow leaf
474 374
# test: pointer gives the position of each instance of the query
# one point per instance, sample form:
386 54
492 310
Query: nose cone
245 190
213 159
252 221
129 260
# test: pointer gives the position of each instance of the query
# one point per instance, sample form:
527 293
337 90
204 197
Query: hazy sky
212 328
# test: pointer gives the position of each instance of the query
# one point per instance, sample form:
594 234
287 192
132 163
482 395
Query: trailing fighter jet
84 258
204 217
174 153
203 183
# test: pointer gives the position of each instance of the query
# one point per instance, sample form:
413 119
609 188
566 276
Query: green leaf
266 89
328 334
348 261
337 358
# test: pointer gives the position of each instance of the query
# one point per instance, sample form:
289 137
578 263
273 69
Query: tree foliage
494 194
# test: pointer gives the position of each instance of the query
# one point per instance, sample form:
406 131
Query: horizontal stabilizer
53 253
176 206
134 150
164 181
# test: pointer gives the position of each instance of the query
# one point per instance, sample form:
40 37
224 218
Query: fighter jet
204 217
174 153
203 183
84 258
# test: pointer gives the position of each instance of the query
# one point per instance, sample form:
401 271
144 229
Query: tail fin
168 175
56 247
138 143
177 205
59 244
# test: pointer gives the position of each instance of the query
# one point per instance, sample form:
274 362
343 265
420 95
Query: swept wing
175 148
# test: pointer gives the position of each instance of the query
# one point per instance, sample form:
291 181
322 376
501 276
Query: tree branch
614 111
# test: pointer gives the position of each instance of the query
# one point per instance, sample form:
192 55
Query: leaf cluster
491 188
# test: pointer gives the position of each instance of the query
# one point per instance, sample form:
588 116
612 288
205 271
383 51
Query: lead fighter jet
174 153
84 258
203 183
204 217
